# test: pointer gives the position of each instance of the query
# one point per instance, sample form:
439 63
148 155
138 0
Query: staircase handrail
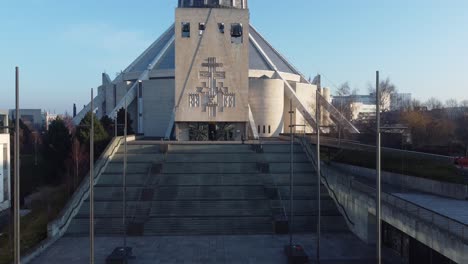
311 157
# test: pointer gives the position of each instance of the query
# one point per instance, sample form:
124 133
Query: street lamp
293 252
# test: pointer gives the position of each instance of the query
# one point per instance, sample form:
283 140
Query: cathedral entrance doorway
212 132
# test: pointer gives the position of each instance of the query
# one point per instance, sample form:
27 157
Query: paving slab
258 249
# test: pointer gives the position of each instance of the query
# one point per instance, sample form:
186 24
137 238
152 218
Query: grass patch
34 225
409 164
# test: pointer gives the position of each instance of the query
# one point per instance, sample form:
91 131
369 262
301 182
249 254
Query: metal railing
75 202
311 156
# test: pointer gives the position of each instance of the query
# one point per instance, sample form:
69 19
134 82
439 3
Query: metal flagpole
16 203
91 183
378 196
291 184
115 126
124 220
319 203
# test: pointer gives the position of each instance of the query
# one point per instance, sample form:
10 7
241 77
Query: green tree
108 124
121 121
462 132
57 149
83 130
101 138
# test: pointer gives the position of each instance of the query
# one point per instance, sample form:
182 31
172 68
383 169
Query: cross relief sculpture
212 95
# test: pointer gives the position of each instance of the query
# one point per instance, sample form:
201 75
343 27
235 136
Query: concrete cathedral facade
212 76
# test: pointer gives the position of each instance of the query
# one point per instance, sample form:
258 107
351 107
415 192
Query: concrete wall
266 97
451 190
211 44
5 192
158 104
307 94
360 206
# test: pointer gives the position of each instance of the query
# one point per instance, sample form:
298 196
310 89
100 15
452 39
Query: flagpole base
296 254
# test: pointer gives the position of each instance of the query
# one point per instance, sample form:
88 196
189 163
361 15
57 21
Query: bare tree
417 105
386 88
464 103
451 103
344 90
346 100
434 103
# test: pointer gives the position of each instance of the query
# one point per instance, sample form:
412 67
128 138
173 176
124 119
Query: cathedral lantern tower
212 68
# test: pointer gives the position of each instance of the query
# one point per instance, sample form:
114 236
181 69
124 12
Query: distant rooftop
240 4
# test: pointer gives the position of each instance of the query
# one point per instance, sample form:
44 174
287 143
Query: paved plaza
451 208
336 248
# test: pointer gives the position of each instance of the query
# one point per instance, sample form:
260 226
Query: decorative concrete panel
212 72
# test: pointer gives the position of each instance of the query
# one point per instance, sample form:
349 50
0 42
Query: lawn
34 225
408 164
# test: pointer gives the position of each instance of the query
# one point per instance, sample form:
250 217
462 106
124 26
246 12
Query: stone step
281 148
139 149
210 193
298 178
111 209
213 157
115 179
132 168
213 168
144 179
334 223
210 208
309 207
138 158
284 167
102 226
205 225
303 192
284 157
116 193
208 226
210 148
210 179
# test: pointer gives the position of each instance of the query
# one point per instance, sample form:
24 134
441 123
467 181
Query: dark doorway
212 132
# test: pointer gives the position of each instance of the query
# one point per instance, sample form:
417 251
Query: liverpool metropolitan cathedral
213 76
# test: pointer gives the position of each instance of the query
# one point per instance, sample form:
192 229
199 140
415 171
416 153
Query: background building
5 192
30 117
362 107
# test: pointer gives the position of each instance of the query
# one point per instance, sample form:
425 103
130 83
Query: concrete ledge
450 190
361 207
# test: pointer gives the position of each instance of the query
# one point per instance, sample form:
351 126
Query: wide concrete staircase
206 190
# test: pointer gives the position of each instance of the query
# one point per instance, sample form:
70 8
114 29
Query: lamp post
91 183
294 252
319 203
124 188
378 183
291 176
16 205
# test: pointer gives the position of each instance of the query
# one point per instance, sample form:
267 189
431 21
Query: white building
362 107
30 117
212 76
5 192
48 118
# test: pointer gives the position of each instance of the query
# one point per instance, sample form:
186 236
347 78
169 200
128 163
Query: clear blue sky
63 46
